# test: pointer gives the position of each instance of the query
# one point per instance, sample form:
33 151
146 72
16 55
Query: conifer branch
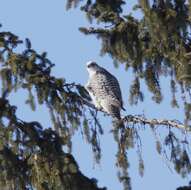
136 119
92 30
140 119
49 151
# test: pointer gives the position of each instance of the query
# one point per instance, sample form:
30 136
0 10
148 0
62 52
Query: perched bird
104 90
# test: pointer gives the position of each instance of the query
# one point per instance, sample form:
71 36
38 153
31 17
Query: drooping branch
154 44
35 156
62 95
68 103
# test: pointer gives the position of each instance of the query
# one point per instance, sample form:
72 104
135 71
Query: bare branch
153 122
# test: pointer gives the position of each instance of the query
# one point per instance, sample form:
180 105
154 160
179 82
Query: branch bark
154 122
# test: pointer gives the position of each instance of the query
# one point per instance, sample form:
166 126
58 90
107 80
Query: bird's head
92 67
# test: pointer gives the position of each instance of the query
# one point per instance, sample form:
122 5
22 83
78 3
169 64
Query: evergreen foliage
156 45
31 156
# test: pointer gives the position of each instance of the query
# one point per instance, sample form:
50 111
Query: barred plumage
104 90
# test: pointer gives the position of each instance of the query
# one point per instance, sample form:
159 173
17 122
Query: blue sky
53 29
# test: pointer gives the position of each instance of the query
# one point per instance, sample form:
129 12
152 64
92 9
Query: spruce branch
141 119
92 30
137 119
37 145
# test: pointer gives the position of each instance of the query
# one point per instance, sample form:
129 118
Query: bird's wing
104 85
91 92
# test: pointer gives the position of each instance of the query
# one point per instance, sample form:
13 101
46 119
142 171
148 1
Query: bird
104 90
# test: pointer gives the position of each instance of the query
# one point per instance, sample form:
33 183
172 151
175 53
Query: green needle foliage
155 45
30 156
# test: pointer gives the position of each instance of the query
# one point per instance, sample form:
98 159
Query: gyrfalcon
104 90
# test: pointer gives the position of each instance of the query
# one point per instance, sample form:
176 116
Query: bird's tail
116 117
115 112
118 123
